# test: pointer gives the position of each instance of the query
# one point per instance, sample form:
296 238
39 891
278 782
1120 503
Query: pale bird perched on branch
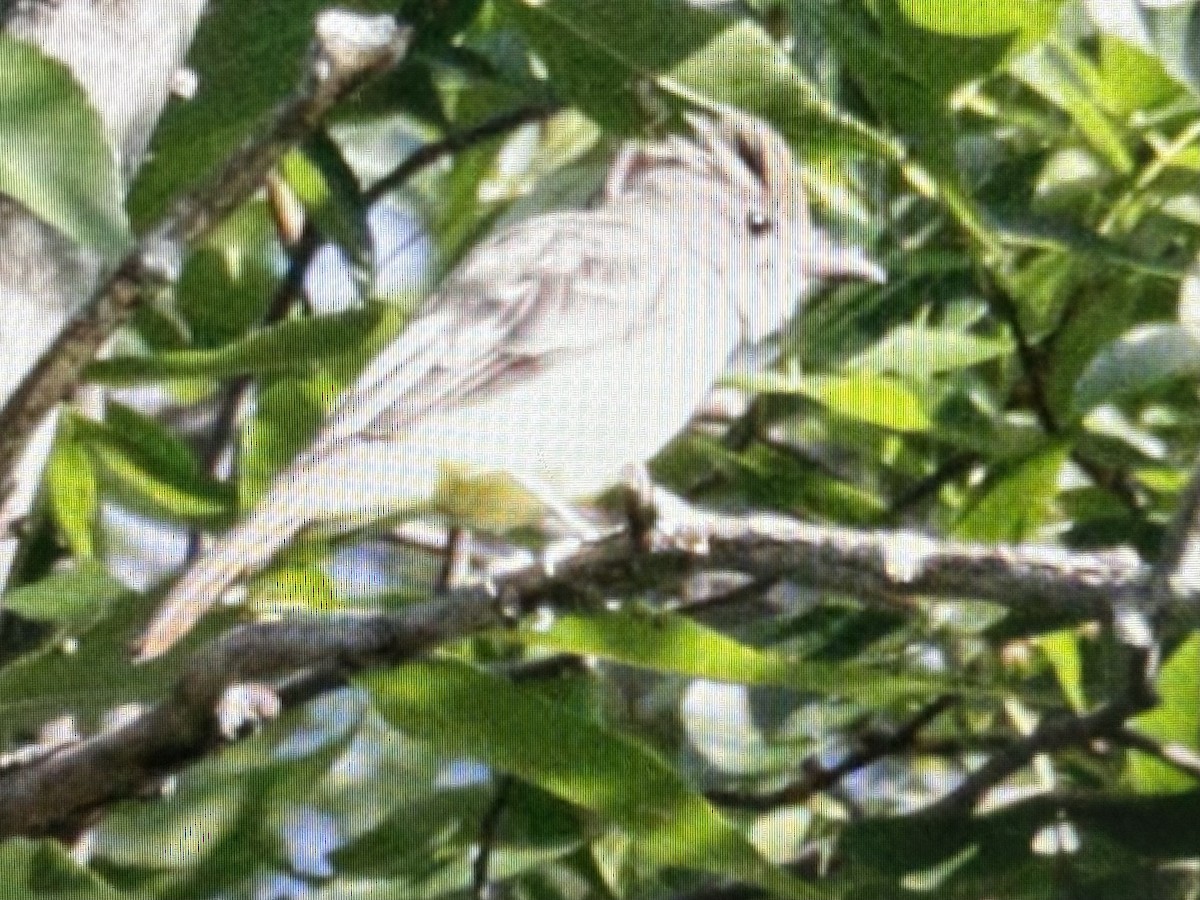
560 350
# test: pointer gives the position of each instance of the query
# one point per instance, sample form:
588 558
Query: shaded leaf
670 643
289 347
920 351
1175 720
465 711
54 154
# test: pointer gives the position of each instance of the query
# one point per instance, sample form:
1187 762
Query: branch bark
309 656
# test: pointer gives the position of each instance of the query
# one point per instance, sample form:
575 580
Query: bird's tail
245 548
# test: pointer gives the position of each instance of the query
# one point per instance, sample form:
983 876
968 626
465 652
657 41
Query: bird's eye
759 223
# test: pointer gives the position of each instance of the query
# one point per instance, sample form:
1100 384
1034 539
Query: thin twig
1054 734
489 830
815 776
456 142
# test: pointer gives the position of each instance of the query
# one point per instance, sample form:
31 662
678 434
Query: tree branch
348 48
309 656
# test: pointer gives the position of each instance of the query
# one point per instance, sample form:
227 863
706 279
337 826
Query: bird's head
787 253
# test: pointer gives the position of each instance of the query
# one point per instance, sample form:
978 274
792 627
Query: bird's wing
557 284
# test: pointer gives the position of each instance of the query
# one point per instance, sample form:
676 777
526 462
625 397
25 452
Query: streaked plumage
559 350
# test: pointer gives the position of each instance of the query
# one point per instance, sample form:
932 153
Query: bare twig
348 49
455 142
489 829
816 776
1055 734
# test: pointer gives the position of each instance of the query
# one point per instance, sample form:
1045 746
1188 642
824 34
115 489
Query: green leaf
1029 18
85 668
228 281
921 351
54 154
669 643
873 399
603 57
41 870
1175 720
744 67
330 192
466 711
151 468
248 58
72 599
1142 359
293 347
967 856
1061 649
286 415
1061 76
428 844
943 58
74 496
1015 502
1132 80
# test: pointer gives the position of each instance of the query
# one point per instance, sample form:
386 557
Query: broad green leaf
294 346
1061 648
1026 230
1029 18
967 856
151 468
465 711
1144 358
670 643
605 57
1061 77
428 846
423 828
286 415
1176 720
1132 80
71 599
876 400
744 67
324 183
941 59
921 351
1016 501
85 668
229 280
74 495
283 589
55 157
41 870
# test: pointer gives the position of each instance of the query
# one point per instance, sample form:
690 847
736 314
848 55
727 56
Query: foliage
1027 175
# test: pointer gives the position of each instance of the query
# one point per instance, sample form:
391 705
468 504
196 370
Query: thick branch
49 795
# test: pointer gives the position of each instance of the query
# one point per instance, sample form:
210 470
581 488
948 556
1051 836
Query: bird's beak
826 258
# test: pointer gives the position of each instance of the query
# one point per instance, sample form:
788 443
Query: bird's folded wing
560 284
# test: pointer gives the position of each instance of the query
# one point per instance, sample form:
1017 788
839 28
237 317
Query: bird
561 349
